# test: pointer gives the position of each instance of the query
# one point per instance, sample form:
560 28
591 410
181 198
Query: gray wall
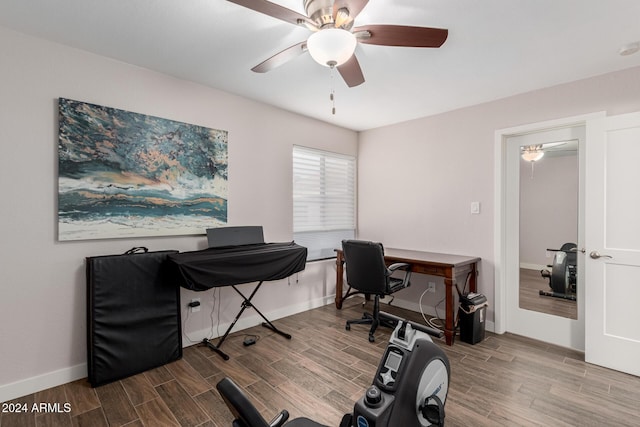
416 179
548 208
42 295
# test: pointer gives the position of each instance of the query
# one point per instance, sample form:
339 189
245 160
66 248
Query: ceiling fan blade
547 145
400 35
351 72
353 6
275 11
280 58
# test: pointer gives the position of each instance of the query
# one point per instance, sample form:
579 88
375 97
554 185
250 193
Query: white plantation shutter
324 200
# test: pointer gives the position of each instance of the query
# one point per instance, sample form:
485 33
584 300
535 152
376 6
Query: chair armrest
239 404
403 266
398 265
279 419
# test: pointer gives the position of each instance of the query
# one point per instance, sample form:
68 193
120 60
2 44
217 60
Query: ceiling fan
334 38
533 153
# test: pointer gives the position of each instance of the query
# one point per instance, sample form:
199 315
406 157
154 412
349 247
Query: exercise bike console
411 383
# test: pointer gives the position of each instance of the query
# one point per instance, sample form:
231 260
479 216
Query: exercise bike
563 275
409 388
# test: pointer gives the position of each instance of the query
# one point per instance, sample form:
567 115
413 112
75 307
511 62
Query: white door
612 236
558 330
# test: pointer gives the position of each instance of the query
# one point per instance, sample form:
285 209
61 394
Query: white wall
42 293
416 179
548 208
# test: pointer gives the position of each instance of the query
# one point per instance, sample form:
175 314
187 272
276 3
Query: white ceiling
496 48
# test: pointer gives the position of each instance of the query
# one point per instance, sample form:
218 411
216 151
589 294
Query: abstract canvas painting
124 174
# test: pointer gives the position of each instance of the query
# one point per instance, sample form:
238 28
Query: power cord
216 299
185 321
437 323
184 327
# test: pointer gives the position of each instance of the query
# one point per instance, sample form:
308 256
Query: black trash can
471 317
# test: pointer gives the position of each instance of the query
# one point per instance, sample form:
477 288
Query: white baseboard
409 305
537 267
62 376
42 382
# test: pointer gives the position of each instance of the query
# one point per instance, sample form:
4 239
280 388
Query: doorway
510 315
548 213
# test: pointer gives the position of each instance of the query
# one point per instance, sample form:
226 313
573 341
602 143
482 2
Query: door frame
502 241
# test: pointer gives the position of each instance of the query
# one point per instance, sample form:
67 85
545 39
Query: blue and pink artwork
123 174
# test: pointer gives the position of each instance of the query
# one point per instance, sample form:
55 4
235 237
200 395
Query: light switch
475 207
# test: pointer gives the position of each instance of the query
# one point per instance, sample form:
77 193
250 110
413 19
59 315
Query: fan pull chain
332 93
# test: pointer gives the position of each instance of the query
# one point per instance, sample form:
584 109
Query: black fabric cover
233 265
133 315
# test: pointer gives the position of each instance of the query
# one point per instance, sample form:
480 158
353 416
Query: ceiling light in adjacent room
331 47
532 155
629 49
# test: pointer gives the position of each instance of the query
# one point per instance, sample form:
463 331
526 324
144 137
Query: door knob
596 255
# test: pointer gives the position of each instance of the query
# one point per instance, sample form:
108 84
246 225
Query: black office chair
367 273
246 414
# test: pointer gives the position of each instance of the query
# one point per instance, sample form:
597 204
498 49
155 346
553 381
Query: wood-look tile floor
531 283
503 381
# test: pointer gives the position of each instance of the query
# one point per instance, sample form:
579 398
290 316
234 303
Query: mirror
549 193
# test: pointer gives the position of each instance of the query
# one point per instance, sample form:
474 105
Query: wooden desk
451 267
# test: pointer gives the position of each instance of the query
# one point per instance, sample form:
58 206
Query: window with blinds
324 200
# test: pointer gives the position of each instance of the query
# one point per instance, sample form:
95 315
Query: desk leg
449 328
339 274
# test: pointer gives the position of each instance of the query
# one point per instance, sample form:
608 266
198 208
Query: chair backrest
366 270
239 405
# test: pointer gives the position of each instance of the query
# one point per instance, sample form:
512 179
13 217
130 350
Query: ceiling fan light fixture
332 46
532 155
342 17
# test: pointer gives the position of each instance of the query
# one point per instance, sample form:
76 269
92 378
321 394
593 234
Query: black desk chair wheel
367 273
246 414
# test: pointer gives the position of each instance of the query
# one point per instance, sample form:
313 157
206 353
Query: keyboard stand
246 303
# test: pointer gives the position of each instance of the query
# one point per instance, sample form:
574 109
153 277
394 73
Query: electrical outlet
195 308
431 287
